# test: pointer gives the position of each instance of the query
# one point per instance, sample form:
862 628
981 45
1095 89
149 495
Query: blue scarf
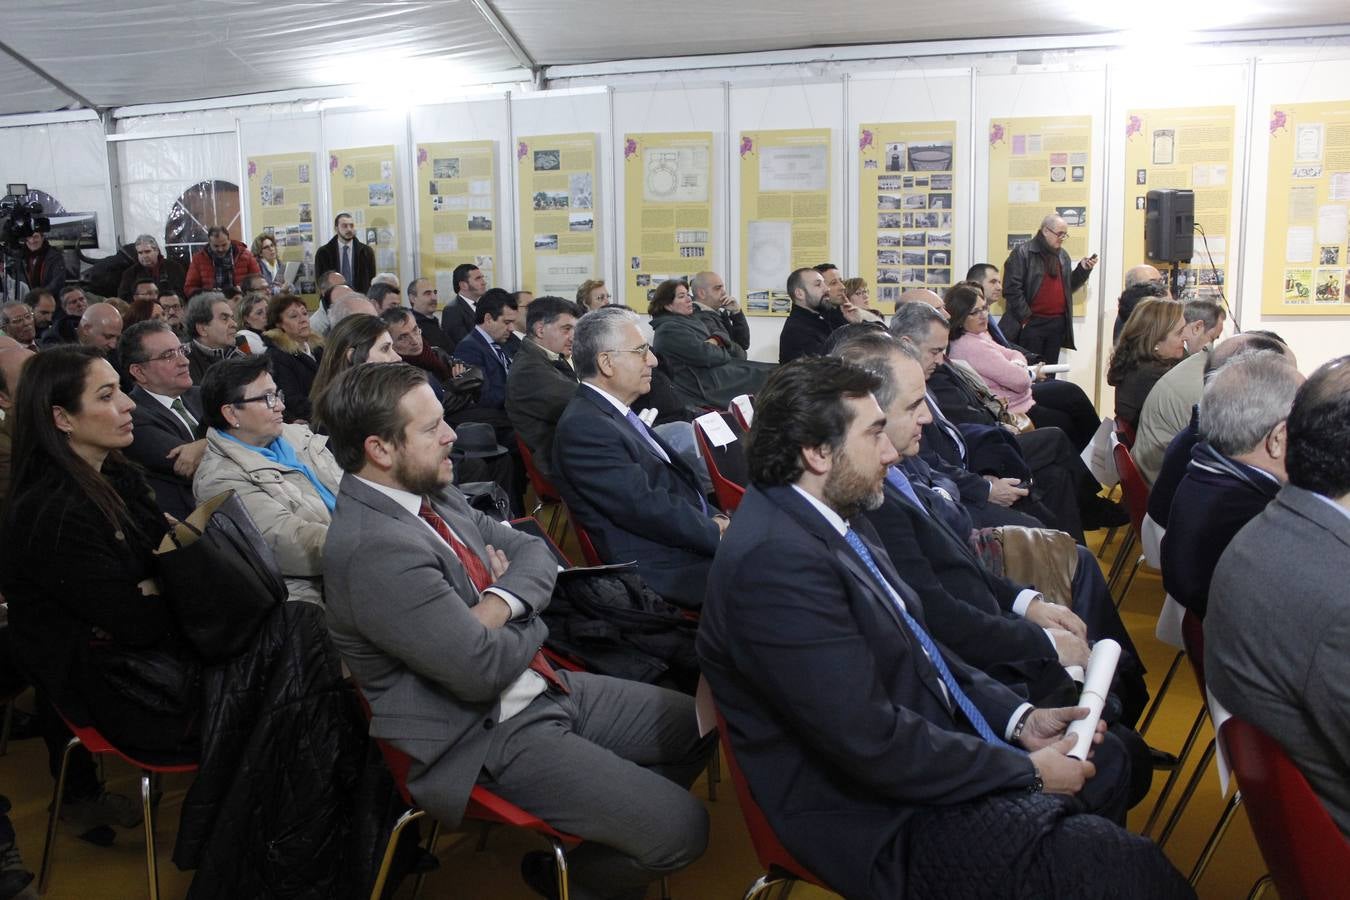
281 452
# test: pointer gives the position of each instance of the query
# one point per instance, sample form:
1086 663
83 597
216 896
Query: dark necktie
347 263
501 355
958 696
179 407
482 579
946 425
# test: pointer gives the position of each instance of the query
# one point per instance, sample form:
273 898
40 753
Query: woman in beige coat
284 474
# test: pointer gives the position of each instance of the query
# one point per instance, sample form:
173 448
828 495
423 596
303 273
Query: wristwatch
1037 786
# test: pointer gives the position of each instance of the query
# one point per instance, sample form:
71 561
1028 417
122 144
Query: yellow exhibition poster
1307 207
1184 149
559 247
1039 166
785 212
364 183
906 208
668 216
456 210
281 203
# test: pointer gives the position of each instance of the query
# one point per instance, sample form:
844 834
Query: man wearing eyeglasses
1039 280
625 485
167 419
20 324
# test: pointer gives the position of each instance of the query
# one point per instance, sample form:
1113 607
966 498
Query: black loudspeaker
1169 226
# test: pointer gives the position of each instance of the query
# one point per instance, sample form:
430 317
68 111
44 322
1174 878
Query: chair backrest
727 466
743 408
768 849
530 525
1306 853
543 488
1193 636
1132 486
1126 432
588 551
395 760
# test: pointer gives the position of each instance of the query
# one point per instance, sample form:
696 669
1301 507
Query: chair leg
665 887
147 810
431 848
1172 776
714 773
1106 542
412 815
1118 566
1259 889
1129 581
483 836
560 858
1162 692
1220 829
763 884
5 728
1186 794
44 871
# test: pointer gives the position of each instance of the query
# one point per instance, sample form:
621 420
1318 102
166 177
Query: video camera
20 218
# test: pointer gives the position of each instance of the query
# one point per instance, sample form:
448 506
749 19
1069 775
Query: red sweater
1049 300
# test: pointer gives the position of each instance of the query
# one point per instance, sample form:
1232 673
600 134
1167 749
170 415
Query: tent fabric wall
68 161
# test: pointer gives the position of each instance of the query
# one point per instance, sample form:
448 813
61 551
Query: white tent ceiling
110 53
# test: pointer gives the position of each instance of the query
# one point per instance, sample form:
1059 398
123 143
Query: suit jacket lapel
159 411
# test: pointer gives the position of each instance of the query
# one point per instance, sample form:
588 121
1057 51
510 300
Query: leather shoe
1102 513
1161 759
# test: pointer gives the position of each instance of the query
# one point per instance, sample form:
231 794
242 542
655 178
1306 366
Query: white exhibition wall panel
279 129
69 161
1142 84
912 95
483 119
343 129
671 106
174 187
785 103
1058 91
1314 339
571 111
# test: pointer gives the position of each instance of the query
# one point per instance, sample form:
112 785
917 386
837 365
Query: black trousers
1044 336
1063 405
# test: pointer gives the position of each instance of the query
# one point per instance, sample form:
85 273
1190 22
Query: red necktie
478 574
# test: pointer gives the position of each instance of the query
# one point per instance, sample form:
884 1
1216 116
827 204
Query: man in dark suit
884 763
806 329
634 494
542 381
485 346
1234 472
1277 634
435 609
345 253
167 419
424 298
461 311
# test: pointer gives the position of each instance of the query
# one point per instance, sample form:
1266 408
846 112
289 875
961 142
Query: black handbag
220 577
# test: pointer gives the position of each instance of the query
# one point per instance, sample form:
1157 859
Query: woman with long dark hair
80 530
356 339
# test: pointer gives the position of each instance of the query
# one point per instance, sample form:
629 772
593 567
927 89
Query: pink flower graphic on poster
747 145
522 151
332 162
421 156
1280 119
1133 127
252 168
865 140
629 148
995 133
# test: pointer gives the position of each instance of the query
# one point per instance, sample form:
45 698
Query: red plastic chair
588 551
97 744
1306 853
736 410
544 492
1135 494
1126 432
726 465
780 867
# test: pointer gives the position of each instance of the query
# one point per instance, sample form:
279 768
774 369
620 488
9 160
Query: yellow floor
84 872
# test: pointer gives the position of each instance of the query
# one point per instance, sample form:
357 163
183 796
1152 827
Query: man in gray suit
434 608
1277 634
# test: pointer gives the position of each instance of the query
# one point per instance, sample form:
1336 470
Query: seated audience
1168 406
705 363
1150 344
166 274
283 474
624 484
486 347
250 312
1277 633
168 434
20 324
329 282
713 303
1141 282
1057 404
434 608
221 264
592 295
384 296
990 280
542 381
211 323
143 310
884 763
348 304
355 340
294 350
1234 472
43 303
423 300
12 360
100 327
36 263
458 318
806 328
172 304
270 268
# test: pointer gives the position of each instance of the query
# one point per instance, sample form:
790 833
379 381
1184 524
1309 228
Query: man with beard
221 264
884 763
435 609
807 328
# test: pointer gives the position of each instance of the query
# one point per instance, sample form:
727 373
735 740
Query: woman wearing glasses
295 351
1049 404
283 473
1039 279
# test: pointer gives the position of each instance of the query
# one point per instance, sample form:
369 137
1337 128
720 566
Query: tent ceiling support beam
43 74
489 13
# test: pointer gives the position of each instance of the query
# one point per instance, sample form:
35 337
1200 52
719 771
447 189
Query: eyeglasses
642 350
1059 234
167 355
271 398
28 317
980 311
408 336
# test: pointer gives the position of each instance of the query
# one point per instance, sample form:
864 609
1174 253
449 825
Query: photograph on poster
546 242
939 238
889 220
912 239
936 157
381 194
580 222
302 173
939 276
914 257
940 182
1329 256
939 201
889 239
1073 216
939 257
888 201
888 257
896 157
893 183
445 168
547 160
1058 174
550 200
479 223
1076 173
796 167
888 276
915 201
580 189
